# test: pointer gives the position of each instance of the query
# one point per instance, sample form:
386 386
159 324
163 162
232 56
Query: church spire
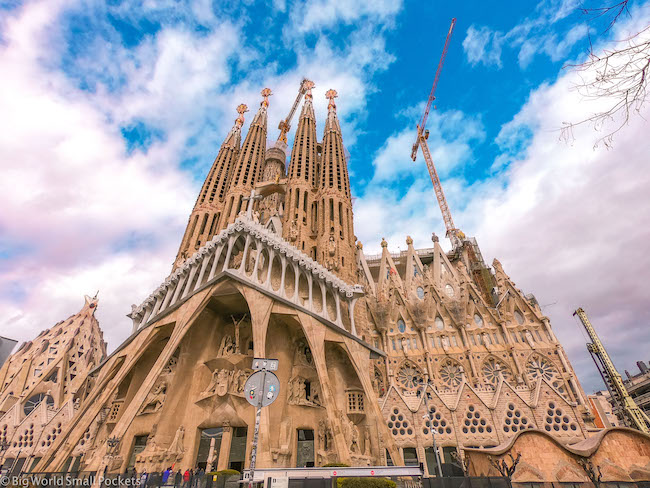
301 206
336 240
204 219
248 169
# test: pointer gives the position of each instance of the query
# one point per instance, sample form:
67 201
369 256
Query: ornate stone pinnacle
307 86
241 110
331 95
266 93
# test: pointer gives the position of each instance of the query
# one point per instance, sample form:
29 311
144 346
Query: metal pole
258 416
433 435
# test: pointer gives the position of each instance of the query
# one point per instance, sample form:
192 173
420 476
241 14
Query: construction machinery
285 125
454 234
624 404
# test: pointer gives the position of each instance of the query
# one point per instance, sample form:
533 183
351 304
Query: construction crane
632 415
454 234
285 125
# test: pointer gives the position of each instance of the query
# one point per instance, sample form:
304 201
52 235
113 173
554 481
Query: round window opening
449 290
35 401
440 324
420 292
401 325
478 320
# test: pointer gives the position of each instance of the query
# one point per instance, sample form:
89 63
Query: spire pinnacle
266 93
331 95
308 85
241 110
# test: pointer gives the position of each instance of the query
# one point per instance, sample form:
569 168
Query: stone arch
290 281
303 290
237 252
317 296
330 304
263 266
276 272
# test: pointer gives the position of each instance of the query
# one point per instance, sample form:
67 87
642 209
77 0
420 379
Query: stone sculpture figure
315 394
227 346
213 383
156 399
223 381
366 442
176 448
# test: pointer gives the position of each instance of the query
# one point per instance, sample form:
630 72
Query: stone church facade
379 355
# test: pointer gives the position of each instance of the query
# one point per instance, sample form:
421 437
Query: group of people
190 478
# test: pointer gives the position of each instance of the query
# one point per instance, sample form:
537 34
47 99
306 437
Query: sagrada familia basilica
379 356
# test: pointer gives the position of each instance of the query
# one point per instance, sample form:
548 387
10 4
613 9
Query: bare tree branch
618 77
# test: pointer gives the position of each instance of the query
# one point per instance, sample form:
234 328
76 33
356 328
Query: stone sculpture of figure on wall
303 355
239 380
212 386
227 346
366 442
176 448
354 437
315 394
293 230
156 399
223 381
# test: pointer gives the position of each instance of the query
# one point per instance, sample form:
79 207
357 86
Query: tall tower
336 241
204 219
248 169
302 203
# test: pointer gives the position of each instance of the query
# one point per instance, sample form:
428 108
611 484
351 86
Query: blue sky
117 109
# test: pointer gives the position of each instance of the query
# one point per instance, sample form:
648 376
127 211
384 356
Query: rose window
493 370
539 367
409 376
451 374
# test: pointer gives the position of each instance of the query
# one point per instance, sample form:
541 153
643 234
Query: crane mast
285 125
633 415
454 234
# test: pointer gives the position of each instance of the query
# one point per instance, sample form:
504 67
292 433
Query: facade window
420 291
432 461
471 338
440 324
393 341
454 341
411 456
415 343
355 402
305 455
449 290
401 326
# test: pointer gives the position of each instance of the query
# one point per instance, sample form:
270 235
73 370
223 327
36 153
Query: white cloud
532 36
483 45
319 14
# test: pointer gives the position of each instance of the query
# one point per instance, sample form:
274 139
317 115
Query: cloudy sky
112 113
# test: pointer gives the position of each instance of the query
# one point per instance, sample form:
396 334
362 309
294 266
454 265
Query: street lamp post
433 434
